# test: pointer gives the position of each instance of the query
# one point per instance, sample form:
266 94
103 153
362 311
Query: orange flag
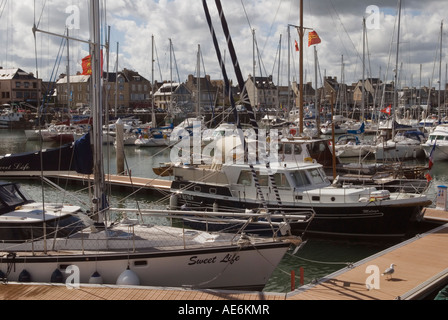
313 38
297 46
87 65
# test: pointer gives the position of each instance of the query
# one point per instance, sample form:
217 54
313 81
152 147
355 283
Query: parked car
143 110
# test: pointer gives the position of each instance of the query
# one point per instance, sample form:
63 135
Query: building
263 93
173 97
134 91
207 90
78 96
18 86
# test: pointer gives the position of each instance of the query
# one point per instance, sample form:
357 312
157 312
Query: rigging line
247 17
345 30
272 25
41 14
158 61
320 262
175 63
2 6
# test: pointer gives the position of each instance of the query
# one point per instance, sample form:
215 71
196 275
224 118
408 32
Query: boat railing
148 230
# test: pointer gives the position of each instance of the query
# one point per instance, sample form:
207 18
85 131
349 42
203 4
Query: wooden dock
122 181
421 269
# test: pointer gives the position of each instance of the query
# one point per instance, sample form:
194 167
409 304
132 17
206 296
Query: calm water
318 257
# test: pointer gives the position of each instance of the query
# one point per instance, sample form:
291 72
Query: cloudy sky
132 23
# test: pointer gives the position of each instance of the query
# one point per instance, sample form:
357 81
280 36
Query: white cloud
338 22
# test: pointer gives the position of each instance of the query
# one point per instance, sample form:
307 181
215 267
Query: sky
339 24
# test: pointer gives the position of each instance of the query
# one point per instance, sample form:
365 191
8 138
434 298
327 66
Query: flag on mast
313 38
297 46
387 110
87 65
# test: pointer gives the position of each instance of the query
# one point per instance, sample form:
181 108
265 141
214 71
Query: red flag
313 38
387 110
297 46
87 65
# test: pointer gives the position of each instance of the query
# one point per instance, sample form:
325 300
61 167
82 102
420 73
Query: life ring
293 132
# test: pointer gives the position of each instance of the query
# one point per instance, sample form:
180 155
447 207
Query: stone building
18 86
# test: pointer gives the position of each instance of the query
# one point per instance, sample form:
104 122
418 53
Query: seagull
389 271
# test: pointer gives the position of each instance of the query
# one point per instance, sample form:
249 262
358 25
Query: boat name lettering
187 197
229 258
16 167
371 211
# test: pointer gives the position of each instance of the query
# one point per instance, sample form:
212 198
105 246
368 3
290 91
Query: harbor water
318 258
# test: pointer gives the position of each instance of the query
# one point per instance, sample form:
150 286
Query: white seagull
389 271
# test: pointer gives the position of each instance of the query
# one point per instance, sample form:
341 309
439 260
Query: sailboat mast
301 35
199 82
396 69
363 95
95 50
316 105
116 79
440 71
153 113
68 74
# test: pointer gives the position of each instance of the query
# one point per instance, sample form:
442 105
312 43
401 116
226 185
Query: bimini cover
83 155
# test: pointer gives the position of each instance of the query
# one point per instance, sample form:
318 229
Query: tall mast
68 73
316 94
301 35
199 80
363 95
95 49
396 70
153 113
116 81
440 71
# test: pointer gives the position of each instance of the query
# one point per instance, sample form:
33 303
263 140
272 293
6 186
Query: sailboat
154 136
131 252
398 144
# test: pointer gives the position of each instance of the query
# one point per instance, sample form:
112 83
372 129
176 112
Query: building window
18 84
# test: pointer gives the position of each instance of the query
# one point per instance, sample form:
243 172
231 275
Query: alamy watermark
373 17
229 147
73 21
74 277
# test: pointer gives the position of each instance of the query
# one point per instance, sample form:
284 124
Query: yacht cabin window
300 179
288 148
245 178
281 181
317 177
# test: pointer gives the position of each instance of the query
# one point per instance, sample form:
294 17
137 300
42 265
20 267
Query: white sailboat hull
211 267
